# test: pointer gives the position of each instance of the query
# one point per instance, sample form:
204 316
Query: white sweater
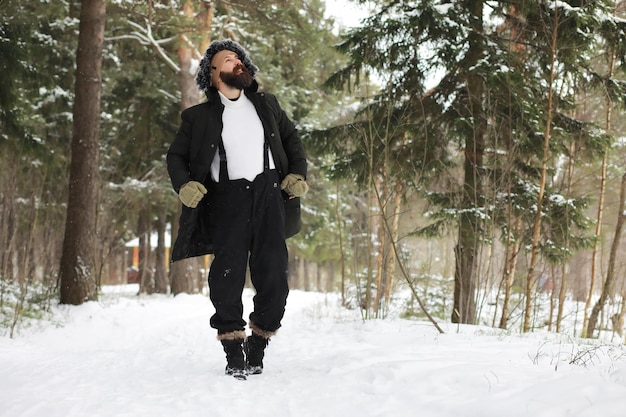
243 139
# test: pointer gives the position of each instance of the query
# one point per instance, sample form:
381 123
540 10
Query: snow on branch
196 54
145 37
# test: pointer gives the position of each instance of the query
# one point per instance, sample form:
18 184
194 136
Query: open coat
192 152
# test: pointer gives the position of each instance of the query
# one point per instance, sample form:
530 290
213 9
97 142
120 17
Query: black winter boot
235 363
254 346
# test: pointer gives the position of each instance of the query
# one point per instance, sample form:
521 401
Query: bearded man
239 169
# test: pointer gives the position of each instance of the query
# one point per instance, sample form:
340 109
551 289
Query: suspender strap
224 165
266 156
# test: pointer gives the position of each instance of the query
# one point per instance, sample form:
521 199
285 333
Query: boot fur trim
266 334
235 335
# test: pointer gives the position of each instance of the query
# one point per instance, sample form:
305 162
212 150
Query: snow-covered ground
129 355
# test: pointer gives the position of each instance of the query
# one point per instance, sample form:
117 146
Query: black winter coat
192 152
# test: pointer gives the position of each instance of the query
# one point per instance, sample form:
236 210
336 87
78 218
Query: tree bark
182 272
510 266
8 221
160 272
609 283
146 279
77 269
464 308
566 244
342 253
596 243
602 192
395 228
382 244
530 277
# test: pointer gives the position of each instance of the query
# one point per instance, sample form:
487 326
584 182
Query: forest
466 158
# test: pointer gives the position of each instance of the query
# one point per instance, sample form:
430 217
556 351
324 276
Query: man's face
227 67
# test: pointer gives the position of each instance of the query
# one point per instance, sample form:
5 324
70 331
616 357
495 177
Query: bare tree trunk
160 273
371 226
609 283
565 267
342 255
602 192
386 260
292 268
466 250
617 320
509 269
596 242
382 244
318 277
182 272
395 226
552 289
146 278
8 221
530 278
306 278
76 273
517 44
189 90
330 281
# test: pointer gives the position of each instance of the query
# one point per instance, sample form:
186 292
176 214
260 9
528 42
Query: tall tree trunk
617 320
160 273
596 242
306 277
609 283
371 222
395 227
8 220
530 278
510 265
330 281
602 191
77 269
318 277
566 243
466 250
182 272
146 279
382 244
189 91
342 253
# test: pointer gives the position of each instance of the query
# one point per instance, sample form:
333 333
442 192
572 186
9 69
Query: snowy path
156 356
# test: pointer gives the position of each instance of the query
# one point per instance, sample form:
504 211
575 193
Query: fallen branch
401 265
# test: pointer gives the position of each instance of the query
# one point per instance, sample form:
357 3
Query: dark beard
239 80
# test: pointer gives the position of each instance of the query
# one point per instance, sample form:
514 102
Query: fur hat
203 79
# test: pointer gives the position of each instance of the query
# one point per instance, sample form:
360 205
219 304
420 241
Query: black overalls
247 227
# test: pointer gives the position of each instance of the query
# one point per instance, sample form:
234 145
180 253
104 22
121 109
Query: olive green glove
294 185
191 193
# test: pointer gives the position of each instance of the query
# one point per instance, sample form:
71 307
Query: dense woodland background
466 157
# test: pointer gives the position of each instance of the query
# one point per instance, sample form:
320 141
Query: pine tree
490 104
36 127
77 269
